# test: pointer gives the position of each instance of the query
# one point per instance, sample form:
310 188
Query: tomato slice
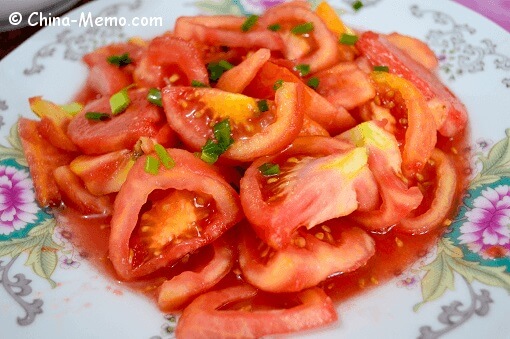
170 60
379 51
444 193
415 48
192 111
318 48
384 160
173 294
42 158
320 179
122 131
307 261
159 218
204 318
75 194
225 30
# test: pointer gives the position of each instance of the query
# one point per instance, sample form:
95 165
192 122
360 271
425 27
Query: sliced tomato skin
380 51
189 173
202 319
176 292
122 131
306 265
312 200
271 139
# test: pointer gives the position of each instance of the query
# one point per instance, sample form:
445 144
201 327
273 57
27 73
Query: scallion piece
249 22
348 39
210 152
263 106
213 149
216 69
313 82
357 5
196 83
277 84
154 97
269 169
225 64
151 165
301 29
97 116
381 69
72 108
163 156
303 69
119 60
119 101
274 27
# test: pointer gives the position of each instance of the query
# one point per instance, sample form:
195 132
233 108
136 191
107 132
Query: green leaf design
15 151
496 164
218 7
493 276
42 249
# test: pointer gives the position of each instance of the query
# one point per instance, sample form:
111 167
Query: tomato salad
248 170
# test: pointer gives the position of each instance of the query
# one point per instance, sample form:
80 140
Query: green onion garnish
357 5
163 156
313 82
154 97
249 22
277 84
348 39
98 116
72 108
119 60
269 169
151 164
216 69
263 106
274 27
381 68
119 101
303 69
196 83
213 149
301 29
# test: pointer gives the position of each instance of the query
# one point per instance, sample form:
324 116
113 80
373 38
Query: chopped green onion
263 106
277 84
98 116
119 60
213 149
269 169
196 83
154 97
72 108
151 164
348 39
357 5
249 22
274 27
381 68
313 82
303 69
301 29
119 101
216 69
163 156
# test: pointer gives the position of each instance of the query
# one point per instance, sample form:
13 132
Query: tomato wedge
379 51
158 218
320 178
204 318
122 131
170 60
307 261
192 111
181 289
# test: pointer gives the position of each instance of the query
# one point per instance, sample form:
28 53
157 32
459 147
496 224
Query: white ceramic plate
47 289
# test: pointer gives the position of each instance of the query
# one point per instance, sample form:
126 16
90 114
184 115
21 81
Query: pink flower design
487 231
17 200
